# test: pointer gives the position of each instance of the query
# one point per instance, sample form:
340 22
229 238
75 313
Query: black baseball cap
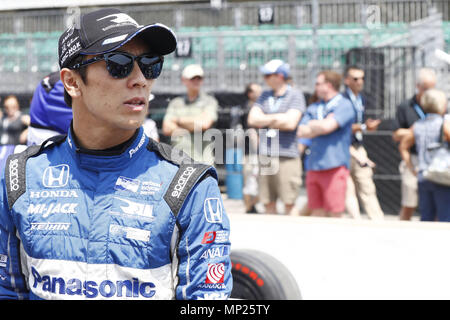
108 29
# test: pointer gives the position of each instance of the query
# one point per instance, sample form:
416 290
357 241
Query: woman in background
433 197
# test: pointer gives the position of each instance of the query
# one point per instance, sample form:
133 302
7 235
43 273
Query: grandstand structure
390 39
232 41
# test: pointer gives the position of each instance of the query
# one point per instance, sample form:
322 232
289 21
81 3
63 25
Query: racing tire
259 276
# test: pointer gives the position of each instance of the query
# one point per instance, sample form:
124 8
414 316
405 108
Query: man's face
427 83
11 106
321 87
355 80
273 80
194 84
255 92
116 104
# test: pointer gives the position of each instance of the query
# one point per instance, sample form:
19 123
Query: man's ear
71 81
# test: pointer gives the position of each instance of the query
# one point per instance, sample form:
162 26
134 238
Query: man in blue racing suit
105 212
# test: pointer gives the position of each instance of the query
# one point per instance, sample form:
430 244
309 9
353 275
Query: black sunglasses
120 64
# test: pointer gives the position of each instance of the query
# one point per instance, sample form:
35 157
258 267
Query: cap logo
119 19
115 39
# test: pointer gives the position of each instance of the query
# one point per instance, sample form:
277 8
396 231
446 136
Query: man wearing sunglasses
360 181
105 212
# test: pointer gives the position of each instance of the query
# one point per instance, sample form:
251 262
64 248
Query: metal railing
311 12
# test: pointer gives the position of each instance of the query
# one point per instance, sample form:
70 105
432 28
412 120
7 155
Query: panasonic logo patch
133 151
92 289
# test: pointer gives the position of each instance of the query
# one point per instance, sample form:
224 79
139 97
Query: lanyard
419 111
275 103
323 108
357 104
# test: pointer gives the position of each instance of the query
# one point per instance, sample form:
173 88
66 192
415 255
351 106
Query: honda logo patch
212 207
56 176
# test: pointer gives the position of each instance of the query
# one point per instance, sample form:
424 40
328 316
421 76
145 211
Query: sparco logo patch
14 175
181 183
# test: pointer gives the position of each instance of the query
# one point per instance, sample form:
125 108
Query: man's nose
136 77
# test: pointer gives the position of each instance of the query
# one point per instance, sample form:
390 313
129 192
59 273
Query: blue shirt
331 150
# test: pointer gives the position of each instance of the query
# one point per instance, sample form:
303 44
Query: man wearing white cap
278 111
191 114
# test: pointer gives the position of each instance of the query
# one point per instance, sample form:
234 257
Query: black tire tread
279 282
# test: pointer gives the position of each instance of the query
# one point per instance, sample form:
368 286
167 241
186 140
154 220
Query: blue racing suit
140 223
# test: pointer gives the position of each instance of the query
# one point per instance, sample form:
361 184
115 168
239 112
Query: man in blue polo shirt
328 123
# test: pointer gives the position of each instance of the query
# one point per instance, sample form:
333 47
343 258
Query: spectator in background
14 124
190 115
49 113
360 181
278 110
250 190
433 198
409 112
149 125
7 150
329 124
304 150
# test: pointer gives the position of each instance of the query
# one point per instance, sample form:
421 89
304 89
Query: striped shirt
287 140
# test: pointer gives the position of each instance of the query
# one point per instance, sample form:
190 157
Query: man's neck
99 141
330 96
280 90
355 93
93 134
192 95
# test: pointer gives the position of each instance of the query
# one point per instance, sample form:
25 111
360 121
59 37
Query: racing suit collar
111 158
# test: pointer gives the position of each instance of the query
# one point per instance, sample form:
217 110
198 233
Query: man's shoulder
187 175
405 104
206 100
266 94
312 107
263 98
346 102
296 91
177 102
206 96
